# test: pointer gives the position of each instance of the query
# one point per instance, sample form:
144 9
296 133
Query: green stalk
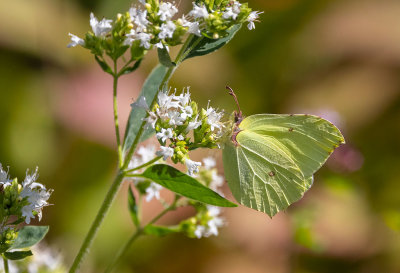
97 222
5 262
145 164
116 121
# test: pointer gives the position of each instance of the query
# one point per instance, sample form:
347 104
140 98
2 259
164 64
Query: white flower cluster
174 117
33 192
144 155
212 216
36 194
211 228
153 23
232 12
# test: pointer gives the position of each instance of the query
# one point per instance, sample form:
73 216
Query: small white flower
199 12
187 112
153 191
209 163
183 98
36 194
130 37
75 40
193 124
144 39
151 119
165 152
139 17
180 137
175 118
193 166
4 177
215 221
253 16
194 28
167 30
165 134
166 102
166 11
100 28
213 118
27 213
200 231
233 11
140 103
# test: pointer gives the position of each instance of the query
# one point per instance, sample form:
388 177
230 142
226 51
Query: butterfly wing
275 158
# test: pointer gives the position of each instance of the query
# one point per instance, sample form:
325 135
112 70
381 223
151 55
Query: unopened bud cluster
152 24
181 127
19 202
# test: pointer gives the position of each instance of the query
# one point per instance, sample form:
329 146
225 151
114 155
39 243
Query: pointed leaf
17 255
149 91
29 236
272 164
133 208
207 45
164 57
160 230
185 185
103 65
132 68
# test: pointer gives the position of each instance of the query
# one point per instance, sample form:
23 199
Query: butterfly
269 160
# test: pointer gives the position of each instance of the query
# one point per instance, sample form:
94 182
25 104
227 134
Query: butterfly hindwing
275 157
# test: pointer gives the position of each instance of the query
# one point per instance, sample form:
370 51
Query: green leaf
149 91
132 68
185 185
29 236
103 65
272 164
164 57
133 208
160 230
17 255
205 45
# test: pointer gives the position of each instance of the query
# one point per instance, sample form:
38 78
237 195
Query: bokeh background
336 58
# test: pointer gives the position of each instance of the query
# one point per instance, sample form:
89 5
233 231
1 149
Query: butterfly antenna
232 93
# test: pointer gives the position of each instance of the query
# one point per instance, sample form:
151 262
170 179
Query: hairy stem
116 121
97 222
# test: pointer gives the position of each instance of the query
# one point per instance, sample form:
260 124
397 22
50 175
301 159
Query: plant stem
116 121
97 222
145 164
5 262
140 231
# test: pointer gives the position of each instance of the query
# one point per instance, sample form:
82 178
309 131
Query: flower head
193 166
166 11
100 28
75 40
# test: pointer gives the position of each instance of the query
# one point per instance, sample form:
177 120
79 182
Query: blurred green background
338 59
